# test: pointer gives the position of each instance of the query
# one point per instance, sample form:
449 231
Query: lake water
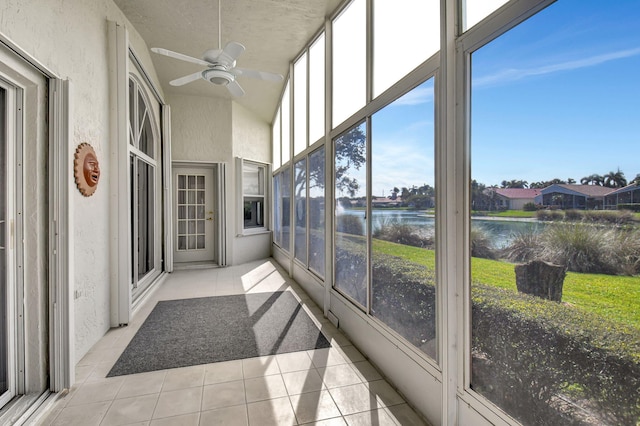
500 232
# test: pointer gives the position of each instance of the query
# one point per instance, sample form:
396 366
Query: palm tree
615 179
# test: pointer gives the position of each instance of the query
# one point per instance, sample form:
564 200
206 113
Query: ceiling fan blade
186 79
180 56
230 53
260 75
235 89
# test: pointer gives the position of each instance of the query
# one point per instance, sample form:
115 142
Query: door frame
220 204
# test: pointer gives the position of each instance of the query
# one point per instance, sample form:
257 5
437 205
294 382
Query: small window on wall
252 181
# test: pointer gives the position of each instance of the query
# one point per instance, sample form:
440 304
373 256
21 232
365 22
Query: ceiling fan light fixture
219 77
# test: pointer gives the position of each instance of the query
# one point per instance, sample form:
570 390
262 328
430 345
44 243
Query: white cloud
513 74
419 95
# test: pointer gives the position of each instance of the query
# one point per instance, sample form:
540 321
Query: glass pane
285 185
403 39
182 227
252 179
146 219
316 90
253 212
200 182
200 212
277 209
182 197
316 211
475 11
555 331
191 242
192 227
182 212
191 182
275 136
200 242
286 121
200 199
182 243
146 137
349 61
350 202
201 227
191 212
300 214
403 218
132 111
182 182
191 197
300 105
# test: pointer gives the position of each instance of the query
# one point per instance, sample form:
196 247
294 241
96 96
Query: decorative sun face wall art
86 169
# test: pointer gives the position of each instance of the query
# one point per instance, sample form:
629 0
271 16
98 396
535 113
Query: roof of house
630 187
587 190
514 193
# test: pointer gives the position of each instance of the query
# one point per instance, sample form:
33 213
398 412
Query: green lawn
614 297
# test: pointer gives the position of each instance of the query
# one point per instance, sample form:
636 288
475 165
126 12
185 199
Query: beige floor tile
82 415
299 382
82 372
178 402
403 414
314 406
229 416
272 412
223 395
370 418
386 394
142 384
223 372
261 366
98 391
182 378
294 361
267 387
130 410
325 357
354 399
335 376
336 421
366 371
192 419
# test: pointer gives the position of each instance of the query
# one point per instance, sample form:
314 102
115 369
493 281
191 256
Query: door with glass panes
194 214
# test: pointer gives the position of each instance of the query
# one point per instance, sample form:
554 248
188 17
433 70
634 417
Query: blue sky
559 95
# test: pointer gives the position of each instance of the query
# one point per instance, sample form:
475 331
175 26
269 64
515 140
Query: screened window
349 61
300 105
316 209
285 131
300 210
403 217
281 209
475 11
316 89
350 206
253 194
275 138
554 107
401 40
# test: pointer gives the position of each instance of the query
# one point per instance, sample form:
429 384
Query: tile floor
335 386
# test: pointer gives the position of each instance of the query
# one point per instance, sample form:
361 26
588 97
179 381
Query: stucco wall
252 141
70 39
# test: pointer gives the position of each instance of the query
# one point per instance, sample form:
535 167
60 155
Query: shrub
481 245
582 248
524 247
573 215
549 215
527 352
401 233
350 224
634 207
529 207
615 217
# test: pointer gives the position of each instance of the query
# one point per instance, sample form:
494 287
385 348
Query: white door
194 213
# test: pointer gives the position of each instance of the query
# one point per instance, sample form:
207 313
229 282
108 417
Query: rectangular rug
180 333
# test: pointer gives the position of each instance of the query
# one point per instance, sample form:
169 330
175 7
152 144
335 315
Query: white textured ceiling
273 32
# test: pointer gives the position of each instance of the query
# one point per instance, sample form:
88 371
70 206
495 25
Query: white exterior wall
252 141
71 40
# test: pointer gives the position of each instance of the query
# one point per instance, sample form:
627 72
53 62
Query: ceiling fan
221 66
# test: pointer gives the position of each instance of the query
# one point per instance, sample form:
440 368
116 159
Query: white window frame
241 196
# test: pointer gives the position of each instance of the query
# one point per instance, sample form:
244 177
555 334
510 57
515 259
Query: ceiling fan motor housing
218 76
